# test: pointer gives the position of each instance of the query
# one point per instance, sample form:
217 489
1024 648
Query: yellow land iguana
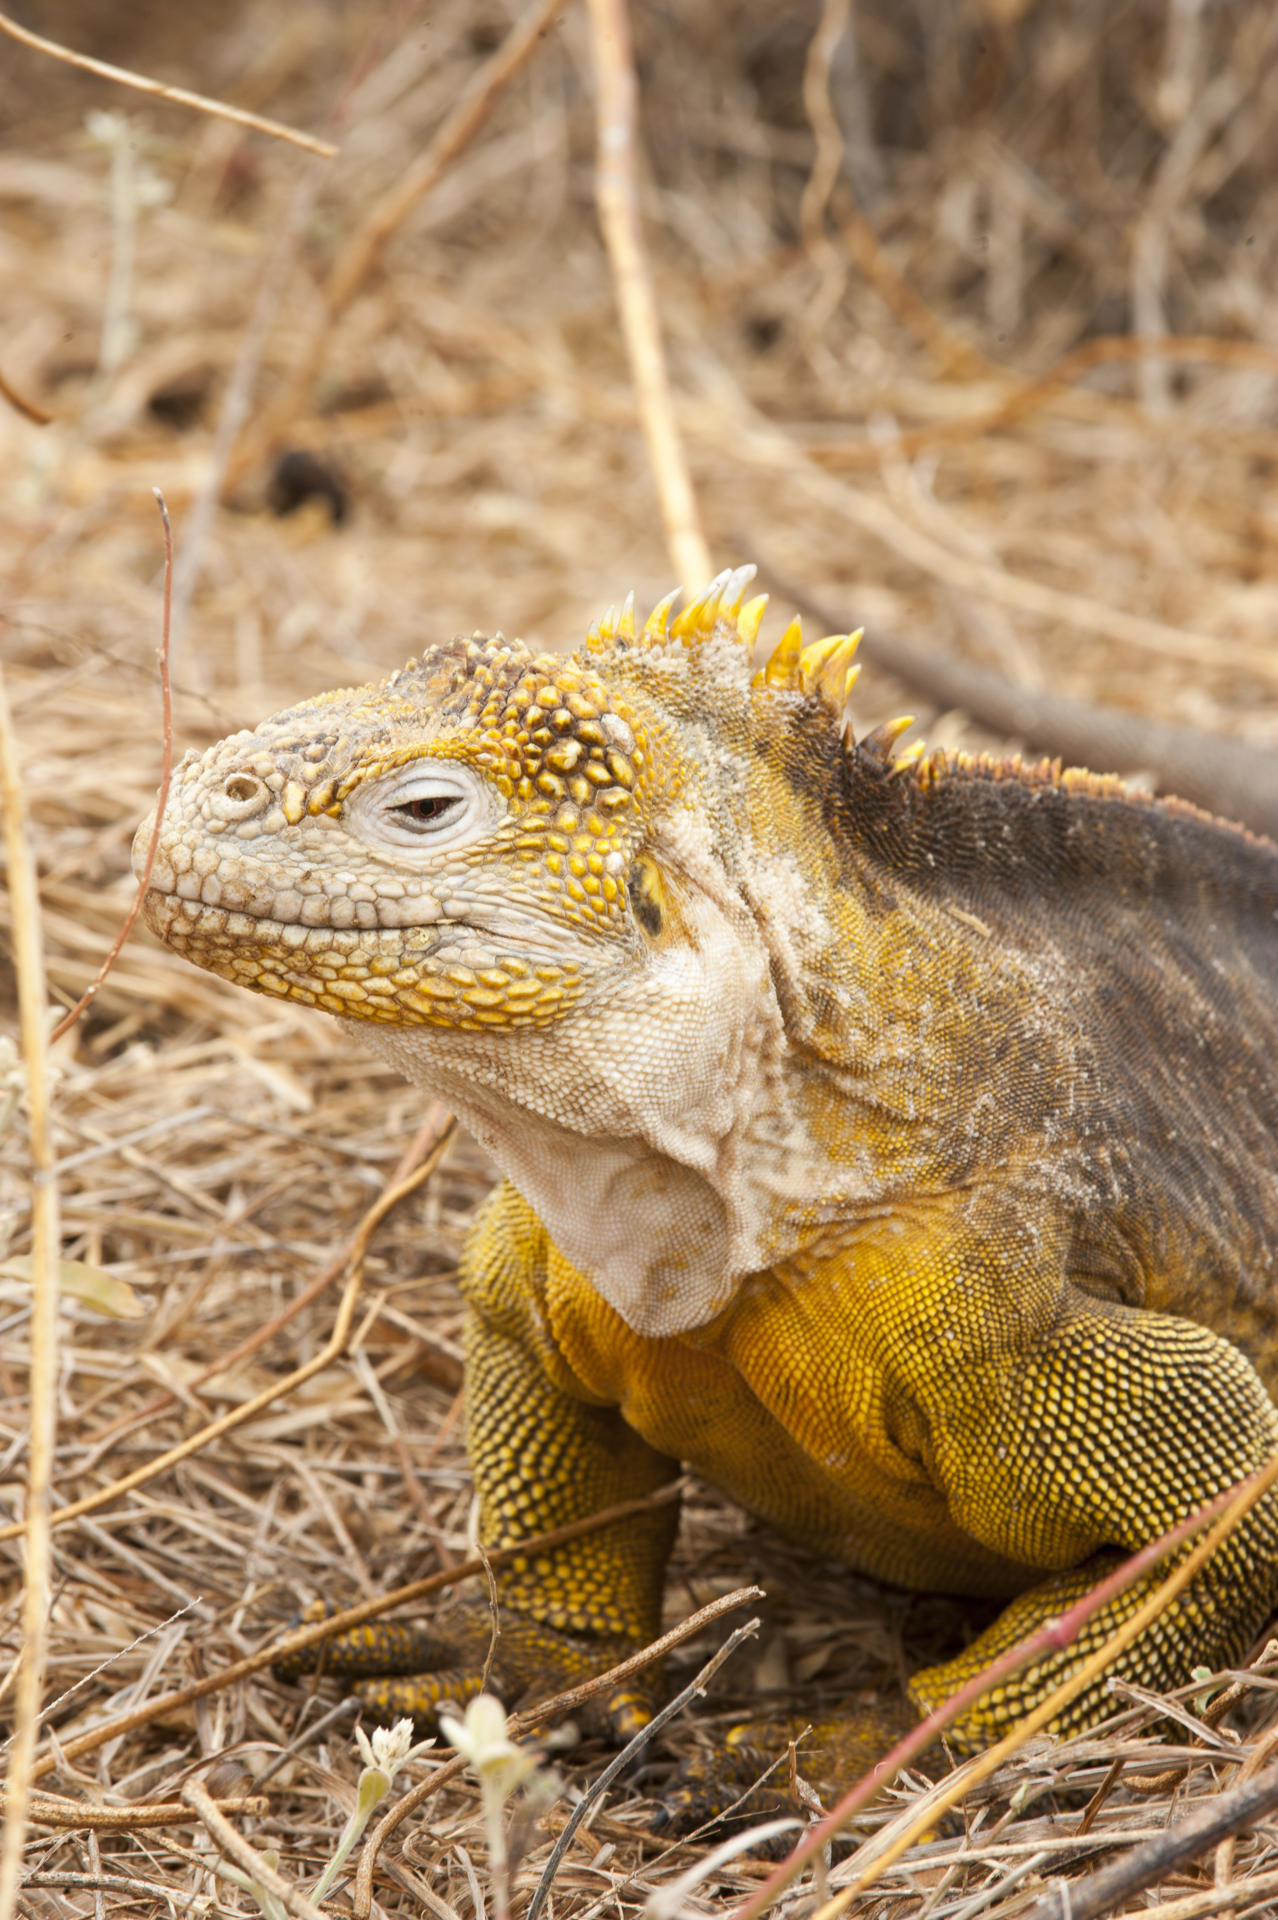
895 1143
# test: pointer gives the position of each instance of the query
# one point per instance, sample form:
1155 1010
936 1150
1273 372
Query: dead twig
52 1810
20 404
161 799
1224 1815
28 956
149 1890
618 203
179 95
247 1858
830 263
141 83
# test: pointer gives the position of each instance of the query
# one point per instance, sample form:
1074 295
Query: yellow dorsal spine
827 669
750 619
881 739
656 626
782 669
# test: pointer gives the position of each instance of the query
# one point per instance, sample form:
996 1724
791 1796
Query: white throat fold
633 1127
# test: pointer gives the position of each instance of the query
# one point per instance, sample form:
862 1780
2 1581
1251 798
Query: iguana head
466 846
532 881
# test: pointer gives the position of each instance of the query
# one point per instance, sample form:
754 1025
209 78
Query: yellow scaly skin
894 1141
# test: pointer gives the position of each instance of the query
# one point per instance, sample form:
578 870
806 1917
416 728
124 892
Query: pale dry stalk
830 263
245 1856
166 774
618 201
28 948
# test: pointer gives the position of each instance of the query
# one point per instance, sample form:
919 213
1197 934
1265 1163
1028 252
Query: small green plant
390 1749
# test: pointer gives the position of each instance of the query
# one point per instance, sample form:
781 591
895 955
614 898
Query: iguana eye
428 809
423 808
428 801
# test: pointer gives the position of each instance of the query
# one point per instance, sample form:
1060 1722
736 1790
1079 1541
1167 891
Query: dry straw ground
872 254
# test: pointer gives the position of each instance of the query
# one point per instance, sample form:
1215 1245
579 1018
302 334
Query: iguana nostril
241 796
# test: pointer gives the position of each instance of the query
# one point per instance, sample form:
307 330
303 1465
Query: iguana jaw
492 970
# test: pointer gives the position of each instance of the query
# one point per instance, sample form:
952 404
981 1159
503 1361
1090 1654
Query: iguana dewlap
895 1143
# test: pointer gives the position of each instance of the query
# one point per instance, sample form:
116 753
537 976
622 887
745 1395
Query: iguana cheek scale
894 1140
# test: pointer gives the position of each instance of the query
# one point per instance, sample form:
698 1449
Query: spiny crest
722 611
828 670
825 669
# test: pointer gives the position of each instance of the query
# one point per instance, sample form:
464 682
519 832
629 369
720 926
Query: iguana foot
401 1670
725 1788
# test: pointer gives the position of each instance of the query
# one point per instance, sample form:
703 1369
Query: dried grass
865 388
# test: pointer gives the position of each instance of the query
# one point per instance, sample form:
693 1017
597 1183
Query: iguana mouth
170 914
416 944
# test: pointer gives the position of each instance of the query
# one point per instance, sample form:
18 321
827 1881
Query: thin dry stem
162 797
28 956
830 263
245 1856
618 201
178 95
38 416
51 1810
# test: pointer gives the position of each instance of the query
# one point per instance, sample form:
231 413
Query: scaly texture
895 1141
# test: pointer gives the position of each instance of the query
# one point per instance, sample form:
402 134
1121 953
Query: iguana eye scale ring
893 1136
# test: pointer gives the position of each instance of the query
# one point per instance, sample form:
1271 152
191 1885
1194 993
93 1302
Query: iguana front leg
542 1456
1117 1425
